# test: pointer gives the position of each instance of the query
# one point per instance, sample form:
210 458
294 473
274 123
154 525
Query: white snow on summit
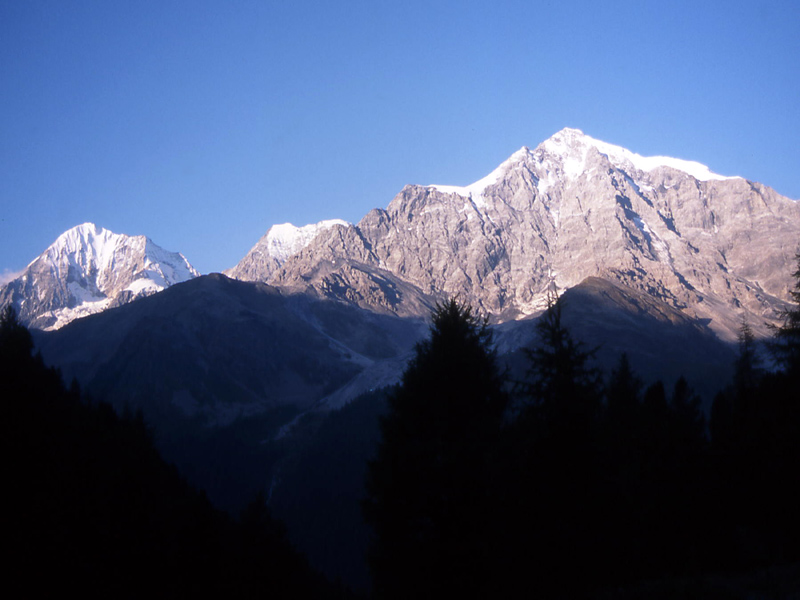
475 190
89 269
95 250
286 240
572 145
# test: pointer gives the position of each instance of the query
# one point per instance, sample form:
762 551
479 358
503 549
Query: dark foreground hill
219 366
93 509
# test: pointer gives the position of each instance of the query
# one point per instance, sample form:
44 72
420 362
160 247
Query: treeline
569 485
92 509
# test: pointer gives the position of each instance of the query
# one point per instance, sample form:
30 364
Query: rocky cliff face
714 247
275 247
87 270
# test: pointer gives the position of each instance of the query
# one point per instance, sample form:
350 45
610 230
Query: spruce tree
747 369
429 489
786 345
563 387
623 397
550 525
16 343
780 440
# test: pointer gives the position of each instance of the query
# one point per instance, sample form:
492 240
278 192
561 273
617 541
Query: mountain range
658 239
716 248
656 257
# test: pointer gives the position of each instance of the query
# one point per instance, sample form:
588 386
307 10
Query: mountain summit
568 150
712 246
573 146
275 247
87 270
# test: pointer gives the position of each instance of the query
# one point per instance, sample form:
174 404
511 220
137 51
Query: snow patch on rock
286 240
475 191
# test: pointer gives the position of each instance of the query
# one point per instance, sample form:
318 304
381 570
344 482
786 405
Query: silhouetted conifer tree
619 452
735 407
755 427
786 345
687 416
623 397
747 369
563 386
779 441
551 525
429 487
15 339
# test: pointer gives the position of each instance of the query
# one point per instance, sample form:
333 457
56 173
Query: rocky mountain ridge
717 248
87 270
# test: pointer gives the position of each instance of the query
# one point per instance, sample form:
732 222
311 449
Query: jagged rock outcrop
275 247
87 270
714 247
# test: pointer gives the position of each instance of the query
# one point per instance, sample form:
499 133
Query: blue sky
200 123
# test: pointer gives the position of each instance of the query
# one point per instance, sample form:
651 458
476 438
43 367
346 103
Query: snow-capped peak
572 146
88 269
87 244
286 240
93 249
475 190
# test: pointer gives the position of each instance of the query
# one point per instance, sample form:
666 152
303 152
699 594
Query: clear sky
201 123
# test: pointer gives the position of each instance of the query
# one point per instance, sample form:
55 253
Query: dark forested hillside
95 510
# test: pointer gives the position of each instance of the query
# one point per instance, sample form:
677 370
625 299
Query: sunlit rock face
275 247
717 248
87 270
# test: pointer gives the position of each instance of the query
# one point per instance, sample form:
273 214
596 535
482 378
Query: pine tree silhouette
563 386
428 490
552 452
786 345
